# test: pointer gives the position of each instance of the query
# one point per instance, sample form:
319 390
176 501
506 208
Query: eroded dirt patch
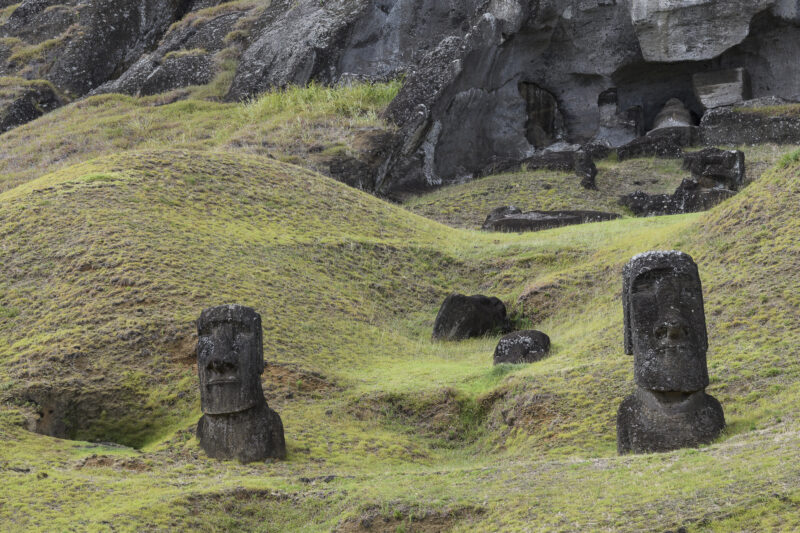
131 464
404 519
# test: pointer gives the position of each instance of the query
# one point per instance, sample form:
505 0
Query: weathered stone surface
184 57
247 436
462 317
689 197
667 144
649 422
522 347
114 35
665 331
722 88
713 167
511 219
573 160
22 101
487 82
618 128
237 422
670 31
769 120
673 115
665 323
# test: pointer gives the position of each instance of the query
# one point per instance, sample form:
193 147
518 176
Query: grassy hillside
107 263
466 205
307 126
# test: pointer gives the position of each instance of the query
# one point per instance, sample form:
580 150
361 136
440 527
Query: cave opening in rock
545 124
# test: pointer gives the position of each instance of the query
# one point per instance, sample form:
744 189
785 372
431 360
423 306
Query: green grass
787 110
122 218
293 125
467 205
108 262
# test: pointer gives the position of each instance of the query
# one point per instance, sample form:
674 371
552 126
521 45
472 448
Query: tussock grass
302 129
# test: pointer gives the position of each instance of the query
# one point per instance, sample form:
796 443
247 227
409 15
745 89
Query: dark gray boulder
522 347
462 317
713 167
689 197
512 220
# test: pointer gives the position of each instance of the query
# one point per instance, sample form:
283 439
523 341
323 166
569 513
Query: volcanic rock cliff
487 82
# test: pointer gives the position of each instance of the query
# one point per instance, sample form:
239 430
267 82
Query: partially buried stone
237 423
676 123
665 331
689 197
462 317
713 167
522 347
673 115
511 219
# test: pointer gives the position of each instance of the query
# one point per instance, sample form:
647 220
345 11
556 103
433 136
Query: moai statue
237 423
665 331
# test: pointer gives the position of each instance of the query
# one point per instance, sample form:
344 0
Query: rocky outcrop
187 55
722 88
488 83
22 101
696 30
768 120
126 30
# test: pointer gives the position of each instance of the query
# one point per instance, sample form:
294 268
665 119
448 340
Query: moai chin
665 331
237 423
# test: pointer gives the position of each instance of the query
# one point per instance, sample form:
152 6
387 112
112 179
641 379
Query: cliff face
487 81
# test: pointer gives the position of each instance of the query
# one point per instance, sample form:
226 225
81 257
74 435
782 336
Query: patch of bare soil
131 464
373 521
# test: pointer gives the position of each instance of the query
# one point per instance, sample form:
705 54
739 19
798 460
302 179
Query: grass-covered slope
107 263
466 205
308 126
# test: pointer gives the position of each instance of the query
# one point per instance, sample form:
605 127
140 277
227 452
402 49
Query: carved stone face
230 359
665 322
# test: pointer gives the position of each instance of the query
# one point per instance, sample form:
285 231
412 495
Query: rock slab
512 220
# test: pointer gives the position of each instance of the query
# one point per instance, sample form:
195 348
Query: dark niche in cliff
545 124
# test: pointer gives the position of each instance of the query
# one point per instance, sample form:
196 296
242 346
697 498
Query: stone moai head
230 359
665 324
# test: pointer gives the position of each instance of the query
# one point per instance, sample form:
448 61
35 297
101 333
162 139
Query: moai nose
671 328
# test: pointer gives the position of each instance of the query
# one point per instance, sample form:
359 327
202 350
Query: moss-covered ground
110 253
